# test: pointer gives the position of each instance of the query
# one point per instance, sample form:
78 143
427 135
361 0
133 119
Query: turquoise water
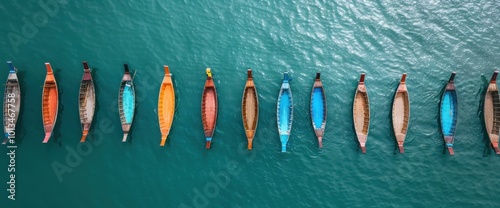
427 39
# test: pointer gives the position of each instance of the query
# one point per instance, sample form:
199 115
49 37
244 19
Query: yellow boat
166 105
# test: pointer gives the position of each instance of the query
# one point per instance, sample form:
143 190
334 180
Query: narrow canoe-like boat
50 103
361 113
448 113
86 101
401 113
492 112
166 105
11 104
250 108
285 111
318 109
209 108
126 102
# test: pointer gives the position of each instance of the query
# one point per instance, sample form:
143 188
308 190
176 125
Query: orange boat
250 109
166 105
50 103
86 101
209 108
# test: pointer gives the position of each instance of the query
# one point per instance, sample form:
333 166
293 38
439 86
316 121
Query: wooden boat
126 102
166 105
11 104
250 108
448 113
285 111
50 103
318 109
401 113
492 112
209 108
86 101
361 113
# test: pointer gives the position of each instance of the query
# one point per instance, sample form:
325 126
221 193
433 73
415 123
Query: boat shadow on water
56 134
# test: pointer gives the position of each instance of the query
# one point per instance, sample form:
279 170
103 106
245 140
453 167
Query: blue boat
126 102
285 111
448 113
318 109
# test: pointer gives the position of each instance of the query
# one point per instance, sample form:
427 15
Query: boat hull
209 109
86 101
361 113
318 109
126 102
166 105
448 114
11 104
401 113
50 103
285 112
250 109
491 112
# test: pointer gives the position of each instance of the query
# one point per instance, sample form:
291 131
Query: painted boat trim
48 116
250 99
285 130
11 103
448 113
86 101
362 134
315 106
166 105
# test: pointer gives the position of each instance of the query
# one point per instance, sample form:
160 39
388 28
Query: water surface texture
427 39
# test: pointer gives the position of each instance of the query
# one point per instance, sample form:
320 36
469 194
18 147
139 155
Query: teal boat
126 102
448 113
318 109
11 104
285 111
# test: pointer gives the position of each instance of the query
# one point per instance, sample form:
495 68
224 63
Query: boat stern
320 142
84 136
362 145
163 139
125 135
495 147
450 148
250 143
284 141
47 138
6 138
208 142
401 148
